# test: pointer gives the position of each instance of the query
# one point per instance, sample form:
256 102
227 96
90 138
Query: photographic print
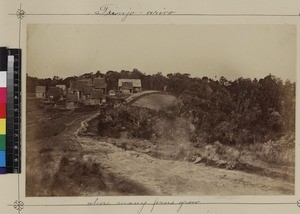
168 110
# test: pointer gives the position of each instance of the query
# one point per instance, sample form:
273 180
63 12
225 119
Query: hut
72 100
87 89
96 96
40 92
54 93
79 86
63 89
112 93
99 83
130 85
127 87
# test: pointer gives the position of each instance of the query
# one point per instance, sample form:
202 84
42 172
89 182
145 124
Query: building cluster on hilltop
86 91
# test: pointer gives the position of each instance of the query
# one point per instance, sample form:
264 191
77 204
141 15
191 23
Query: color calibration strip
3 96
10 89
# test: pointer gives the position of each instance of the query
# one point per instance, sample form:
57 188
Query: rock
198 160
223 176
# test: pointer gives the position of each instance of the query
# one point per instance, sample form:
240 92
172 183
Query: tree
32 82
111 79
99 74
136 74
125 74
158 81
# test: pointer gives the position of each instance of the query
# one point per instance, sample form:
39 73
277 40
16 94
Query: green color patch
2 142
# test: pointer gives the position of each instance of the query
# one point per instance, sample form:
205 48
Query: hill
154 101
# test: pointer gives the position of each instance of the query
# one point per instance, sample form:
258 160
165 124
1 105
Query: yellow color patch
2 126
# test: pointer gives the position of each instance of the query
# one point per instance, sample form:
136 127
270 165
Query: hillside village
85 91
80 128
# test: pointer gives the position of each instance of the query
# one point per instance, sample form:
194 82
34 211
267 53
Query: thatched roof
87 89
54 91
135 82
127 86
112 92
78 85
96 93
40 89
99 83
82 82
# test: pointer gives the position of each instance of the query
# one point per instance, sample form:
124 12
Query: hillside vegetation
244 124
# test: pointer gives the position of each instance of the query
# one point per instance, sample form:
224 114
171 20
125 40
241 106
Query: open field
155 101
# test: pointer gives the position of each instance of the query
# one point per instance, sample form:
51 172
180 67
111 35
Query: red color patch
2 110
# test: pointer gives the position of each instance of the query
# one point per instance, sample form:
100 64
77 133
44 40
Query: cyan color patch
2 159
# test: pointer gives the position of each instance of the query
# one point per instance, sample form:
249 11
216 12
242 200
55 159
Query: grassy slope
155 101
268 159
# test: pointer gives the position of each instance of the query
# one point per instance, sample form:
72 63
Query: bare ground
133 173
167 177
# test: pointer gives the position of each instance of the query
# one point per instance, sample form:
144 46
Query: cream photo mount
19 205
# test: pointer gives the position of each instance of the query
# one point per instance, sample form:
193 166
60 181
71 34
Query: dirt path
123 169
165 177
153 176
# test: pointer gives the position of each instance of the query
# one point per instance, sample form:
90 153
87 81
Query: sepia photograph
160 110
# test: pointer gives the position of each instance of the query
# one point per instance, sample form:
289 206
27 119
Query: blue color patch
2 170
2 159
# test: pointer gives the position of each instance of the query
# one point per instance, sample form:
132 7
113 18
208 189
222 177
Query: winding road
169 177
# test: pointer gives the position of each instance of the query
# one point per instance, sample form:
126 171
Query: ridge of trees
254 110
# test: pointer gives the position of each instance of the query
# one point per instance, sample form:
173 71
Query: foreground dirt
152 176
165 177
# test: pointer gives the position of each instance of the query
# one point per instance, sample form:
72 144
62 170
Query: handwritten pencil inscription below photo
189 110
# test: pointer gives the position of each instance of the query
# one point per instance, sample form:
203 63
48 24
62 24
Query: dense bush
238 112
242 111
137 122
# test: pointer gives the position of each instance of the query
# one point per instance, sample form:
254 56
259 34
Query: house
99 83
40 92
112 93
130 85
82 82
73 87
86 94
54 93
63 89
96 96
127 87
96 93
78 85
72 100
87 89
72 97
90 90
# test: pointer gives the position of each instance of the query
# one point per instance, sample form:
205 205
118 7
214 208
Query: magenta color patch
3 95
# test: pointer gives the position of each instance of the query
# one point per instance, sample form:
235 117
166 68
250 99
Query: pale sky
232 51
